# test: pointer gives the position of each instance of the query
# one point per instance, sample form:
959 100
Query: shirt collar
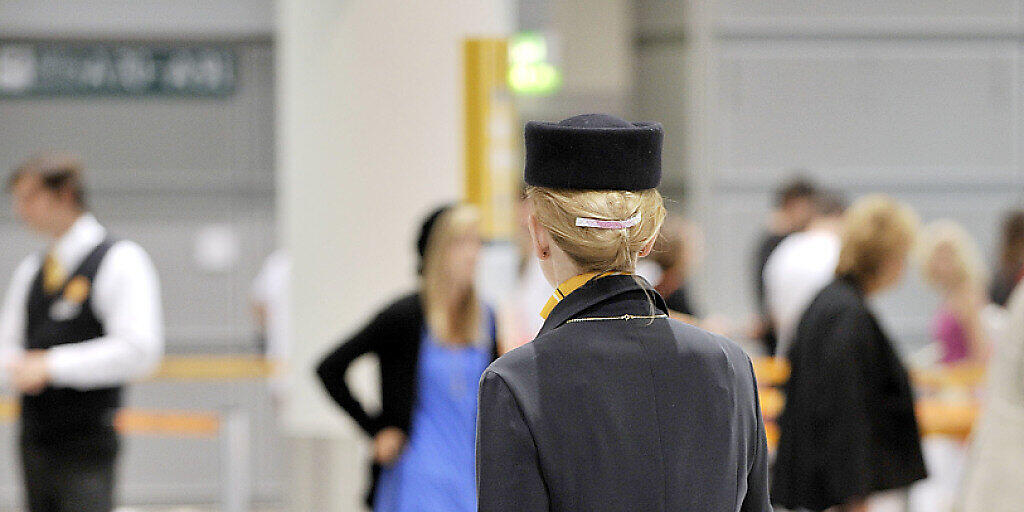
612 295
83 236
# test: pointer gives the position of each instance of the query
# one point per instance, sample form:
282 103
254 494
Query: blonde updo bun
599 249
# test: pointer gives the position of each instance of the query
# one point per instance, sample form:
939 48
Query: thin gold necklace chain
622 317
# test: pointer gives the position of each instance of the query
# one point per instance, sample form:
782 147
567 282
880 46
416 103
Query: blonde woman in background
614 407
951 263
849 437
432 346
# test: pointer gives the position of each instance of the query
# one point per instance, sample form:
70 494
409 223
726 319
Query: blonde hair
945 233
461 323
599 249
875 229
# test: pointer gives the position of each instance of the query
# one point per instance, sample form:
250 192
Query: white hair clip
588 222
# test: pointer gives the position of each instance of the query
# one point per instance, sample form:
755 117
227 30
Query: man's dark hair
58 173
794 189
1011 252
830 203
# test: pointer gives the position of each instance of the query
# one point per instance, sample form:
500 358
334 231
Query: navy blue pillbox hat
593 152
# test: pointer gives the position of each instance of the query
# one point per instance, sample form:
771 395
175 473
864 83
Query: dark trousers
69 478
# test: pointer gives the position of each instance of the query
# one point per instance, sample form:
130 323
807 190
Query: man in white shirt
801 266
79 320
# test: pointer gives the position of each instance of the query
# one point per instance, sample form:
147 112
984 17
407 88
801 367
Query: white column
369 127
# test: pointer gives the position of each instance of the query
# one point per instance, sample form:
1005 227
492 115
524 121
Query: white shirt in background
800 267
270 288
125 298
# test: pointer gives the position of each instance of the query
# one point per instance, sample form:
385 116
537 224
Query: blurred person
996 461
951 263
803 264
1011 258
432 345
676 252
269 296
794 209
673 253
614 406
849 437
80 319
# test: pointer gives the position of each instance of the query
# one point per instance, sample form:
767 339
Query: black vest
61 415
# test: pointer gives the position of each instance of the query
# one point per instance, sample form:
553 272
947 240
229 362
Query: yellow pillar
490 136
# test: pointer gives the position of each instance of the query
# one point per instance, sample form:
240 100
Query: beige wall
369 126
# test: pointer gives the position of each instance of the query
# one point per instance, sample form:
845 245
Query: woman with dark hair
849 438
432 345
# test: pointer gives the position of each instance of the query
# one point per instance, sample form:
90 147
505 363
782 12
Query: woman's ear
539 238
649 246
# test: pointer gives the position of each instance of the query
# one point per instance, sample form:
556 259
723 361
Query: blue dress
437 470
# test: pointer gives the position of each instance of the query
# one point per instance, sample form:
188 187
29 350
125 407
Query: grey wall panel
832 11
868 105
138 18
662 97
660 17
156 143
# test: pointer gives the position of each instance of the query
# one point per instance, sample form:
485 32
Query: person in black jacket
848 430
614 407
432 346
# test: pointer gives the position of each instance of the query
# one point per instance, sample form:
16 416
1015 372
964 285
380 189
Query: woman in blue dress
433 346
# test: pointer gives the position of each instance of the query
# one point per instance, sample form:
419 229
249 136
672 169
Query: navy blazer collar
600 290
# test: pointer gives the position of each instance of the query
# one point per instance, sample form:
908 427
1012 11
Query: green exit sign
115 69
530 71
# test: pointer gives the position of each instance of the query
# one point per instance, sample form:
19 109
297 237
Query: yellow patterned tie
53 275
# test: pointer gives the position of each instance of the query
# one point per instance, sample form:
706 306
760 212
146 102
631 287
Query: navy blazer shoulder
610 410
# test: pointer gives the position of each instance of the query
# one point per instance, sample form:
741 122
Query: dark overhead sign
115 69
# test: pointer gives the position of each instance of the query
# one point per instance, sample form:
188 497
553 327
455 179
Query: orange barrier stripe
165 423
139 422
966 375
774 371
771 371
934 417
946 419
214 368
772 402
8 410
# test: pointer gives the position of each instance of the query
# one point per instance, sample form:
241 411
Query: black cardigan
848 429
394 336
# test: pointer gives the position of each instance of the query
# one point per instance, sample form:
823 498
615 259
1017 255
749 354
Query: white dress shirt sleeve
12 315
126 298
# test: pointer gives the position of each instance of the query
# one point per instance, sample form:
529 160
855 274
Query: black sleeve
507 467
333 367
756 499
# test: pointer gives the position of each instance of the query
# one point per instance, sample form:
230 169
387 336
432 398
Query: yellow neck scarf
570 285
